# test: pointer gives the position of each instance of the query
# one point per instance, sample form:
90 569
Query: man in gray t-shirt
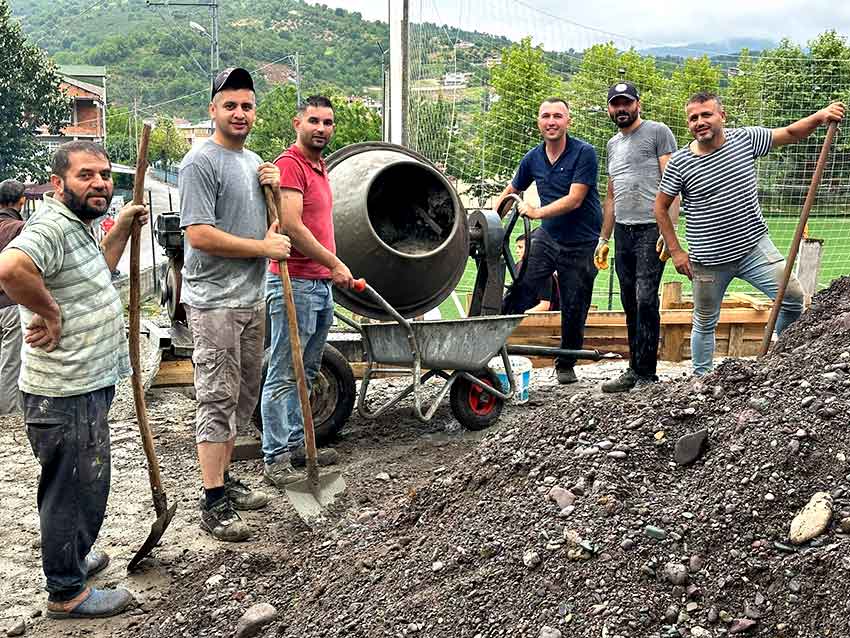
223 213
637 156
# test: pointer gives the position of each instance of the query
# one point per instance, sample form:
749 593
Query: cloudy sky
562 23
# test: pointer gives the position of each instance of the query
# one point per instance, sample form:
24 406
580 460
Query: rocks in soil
690 447
549 632
813 519
253 620
17 629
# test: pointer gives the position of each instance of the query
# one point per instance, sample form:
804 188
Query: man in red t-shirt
307 204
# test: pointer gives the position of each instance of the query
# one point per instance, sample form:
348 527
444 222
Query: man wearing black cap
228 243
637 156
564 170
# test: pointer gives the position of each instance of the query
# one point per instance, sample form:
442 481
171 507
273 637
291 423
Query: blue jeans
283 424
763 267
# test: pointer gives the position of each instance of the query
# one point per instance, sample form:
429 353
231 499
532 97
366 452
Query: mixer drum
399 224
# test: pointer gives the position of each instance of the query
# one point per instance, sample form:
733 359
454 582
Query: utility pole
297 81
398 70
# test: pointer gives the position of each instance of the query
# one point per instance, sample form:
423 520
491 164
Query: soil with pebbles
450 535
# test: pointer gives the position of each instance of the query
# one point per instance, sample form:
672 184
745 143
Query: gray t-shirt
633 165
221 188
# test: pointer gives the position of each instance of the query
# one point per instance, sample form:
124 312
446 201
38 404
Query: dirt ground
449 534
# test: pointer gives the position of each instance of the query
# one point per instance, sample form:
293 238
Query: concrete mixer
399 224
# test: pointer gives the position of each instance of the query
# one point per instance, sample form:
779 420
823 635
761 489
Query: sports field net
476 84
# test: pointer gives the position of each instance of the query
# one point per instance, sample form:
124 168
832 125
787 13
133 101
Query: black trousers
576 273
639 271
70 438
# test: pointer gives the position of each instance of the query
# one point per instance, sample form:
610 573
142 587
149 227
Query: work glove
600 255
661 249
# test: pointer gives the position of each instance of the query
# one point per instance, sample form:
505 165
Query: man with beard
637 156
74 353
307 206
564 170
223 212
726 232
12 200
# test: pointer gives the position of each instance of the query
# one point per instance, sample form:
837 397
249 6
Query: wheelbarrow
456 351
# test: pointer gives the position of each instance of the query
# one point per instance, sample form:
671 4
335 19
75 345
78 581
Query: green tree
272 131
743 99
167 146
29 99
508 129
121 129
354 123
693 76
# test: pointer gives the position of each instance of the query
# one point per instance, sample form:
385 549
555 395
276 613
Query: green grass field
835 231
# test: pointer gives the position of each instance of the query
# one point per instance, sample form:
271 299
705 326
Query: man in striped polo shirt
726 232
74 353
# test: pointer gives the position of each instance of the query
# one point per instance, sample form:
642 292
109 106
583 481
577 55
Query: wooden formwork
739 331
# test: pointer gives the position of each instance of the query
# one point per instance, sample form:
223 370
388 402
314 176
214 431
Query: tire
332 396
474 408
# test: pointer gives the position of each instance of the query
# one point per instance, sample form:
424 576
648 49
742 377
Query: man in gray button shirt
223 212
637 156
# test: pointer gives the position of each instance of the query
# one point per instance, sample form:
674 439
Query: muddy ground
450 534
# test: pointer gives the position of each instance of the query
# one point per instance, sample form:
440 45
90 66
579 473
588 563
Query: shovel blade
157 530
310 499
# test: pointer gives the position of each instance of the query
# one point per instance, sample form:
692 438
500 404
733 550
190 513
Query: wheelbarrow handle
361 286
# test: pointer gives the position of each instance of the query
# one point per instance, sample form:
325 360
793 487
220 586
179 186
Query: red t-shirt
311 180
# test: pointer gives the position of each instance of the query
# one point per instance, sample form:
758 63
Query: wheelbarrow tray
452 344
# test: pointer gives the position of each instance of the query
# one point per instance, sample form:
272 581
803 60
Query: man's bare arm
674 207
680 258
801 129
608 211
215 241
570 202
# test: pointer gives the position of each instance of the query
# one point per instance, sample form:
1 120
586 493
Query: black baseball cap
623 89
232 78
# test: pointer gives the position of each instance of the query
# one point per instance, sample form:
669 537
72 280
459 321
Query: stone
690 447
214 581
676 573
742 625
813 519
655 532
671 614
695 563
699 632
562 497
531 559
382 476
18 629
845 525
627 544
713 615
549 632
253 620
437 566
617 454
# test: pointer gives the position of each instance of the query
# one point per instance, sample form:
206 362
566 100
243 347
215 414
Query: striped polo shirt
720 195
92 351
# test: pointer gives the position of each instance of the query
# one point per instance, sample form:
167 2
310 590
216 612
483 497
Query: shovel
160 502
309 496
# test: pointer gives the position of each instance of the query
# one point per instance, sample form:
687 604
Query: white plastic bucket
522 376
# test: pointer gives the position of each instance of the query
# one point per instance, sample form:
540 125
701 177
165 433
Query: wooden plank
736 340
247 448
671 293
171 373
750 300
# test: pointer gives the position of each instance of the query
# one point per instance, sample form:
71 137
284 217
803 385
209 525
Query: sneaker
281 473
567 376
643 381
325 456
623 383
222 522
243 497
96 561
91 603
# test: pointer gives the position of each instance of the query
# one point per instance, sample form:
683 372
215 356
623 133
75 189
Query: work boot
96 561
91 603
645 380
567 376
623 383
243 497
325 456
223 523
281 473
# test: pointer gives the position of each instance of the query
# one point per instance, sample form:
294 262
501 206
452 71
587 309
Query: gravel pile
665 512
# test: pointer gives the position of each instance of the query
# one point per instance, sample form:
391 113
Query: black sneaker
567 376
222 522
623 383
325 456
243 497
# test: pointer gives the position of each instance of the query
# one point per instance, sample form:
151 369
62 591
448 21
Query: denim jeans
576 273
763 267
283 424
70 438
639 270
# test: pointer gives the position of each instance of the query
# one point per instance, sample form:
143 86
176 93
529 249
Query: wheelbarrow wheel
332 396
474 407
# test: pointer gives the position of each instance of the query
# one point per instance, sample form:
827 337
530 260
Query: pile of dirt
575 519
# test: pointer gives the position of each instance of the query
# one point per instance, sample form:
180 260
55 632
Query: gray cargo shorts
228 361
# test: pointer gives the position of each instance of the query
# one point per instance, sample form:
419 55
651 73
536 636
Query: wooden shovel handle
295 342
159 501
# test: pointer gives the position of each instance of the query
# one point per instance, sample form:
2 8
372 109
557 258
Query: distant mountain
721 47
